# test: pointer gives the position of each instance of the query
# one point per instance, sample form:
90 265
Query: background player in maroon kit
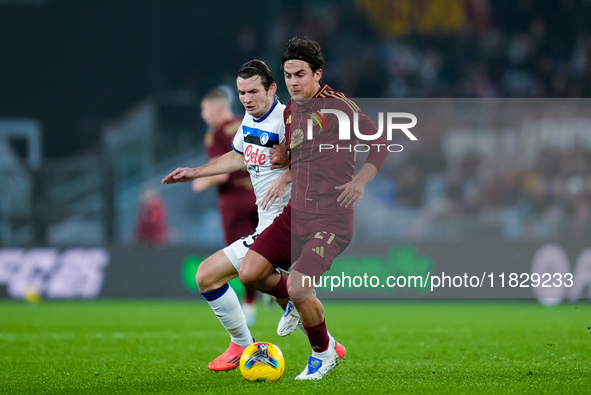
236 197
317 224
151 225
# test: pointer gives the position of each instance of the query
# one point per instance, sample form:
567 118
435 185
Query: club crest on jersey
297 138
264 138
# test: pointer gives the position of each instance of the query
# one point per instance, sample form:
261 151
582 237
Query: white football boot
290 321
318 368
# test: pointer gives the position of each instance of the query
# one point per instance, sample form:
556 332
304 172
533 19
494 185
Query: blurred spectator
470 48
151 225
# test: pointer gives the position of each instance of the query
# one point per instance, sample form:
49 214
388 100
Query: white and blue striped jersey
254 139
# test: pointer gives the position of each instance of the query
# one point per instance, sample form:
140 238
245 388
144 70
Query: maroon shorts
313 240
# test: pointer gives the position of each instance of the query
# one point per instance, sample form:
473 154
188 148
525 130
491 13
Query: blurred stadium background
99 99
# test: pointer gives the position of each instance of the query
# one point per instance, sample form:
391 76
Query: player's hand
276 191
182 174
279 157
351 192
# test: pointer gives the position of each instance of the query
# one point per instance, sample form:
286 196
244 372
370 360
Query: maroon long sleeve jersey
316 168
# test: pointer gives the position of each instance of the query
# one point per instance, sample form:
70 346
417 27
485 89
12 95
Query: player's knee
201 281
249 273
299 286
249 278
300 296
204 278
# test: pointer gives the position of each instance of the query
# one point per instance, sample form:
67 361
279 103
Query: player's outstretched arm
182 174
353 190
276 191
201 184
227 163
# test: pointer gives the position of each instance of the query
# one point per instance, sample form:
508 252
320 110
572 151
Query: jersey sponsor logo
254 157
254 170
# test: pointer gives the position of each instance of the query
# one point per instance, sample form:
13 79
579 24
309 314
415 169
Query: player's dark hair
260 68
304 49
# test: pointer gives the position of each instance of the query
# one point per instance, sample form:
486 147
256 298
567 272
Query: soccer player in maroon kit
237 204
317 224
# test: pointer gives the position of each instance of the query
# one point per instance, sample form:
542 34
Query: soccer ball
262 362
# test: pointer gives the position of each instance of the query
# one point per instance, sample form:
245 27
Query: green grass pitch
116 346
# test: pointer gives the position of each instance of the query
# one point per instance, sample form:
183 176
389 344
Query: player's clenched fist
182 174
279 157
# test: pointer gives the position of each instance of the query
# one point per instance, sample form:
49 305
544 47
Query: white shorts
238 249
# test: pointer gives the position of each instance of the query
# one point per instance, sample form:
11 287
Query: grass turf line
116 346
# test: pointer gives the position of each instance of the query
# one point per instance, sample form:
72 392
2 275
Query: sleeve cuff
234 148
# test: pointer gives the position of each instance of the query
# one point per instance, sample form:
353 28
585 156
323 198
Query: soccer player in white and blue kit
261 128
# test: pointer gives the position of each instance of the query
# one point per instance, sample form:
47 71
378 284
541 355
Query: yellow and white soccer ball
262 362
31 295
